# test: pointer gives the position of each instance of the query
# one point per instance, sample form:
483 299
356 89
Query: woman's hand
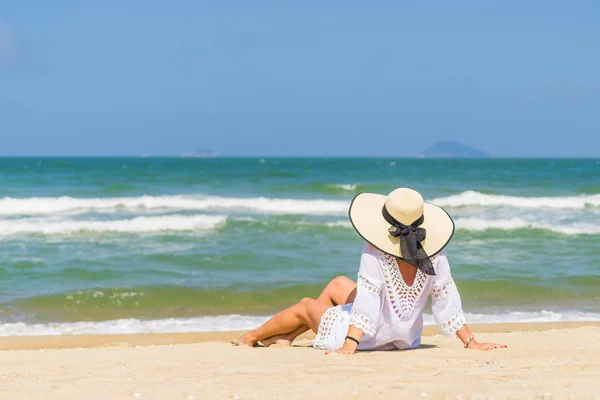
464 334
487 346
350 342
346 350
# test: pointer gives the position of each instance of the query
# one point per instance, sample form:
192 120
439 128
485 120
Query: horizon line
295 156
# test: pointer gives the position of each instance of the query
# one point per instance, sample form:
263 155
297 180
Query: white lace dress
387 310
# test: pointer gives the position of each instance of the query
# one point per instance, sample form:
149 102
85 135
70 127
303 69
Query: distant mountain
452 149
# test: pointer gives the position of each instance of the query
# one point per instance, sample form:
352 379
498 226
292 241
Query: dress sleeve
445 299
366 308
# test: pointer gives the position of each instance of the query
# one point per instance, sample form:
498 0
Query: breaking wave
181 223
349 187
245 322
54 205
134 225
473 198
477 224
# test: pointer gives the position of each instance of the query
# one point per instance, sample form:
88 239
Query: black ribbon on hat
411 237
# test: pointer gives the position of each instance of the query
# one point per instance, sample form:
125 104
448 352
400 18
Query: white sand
554 364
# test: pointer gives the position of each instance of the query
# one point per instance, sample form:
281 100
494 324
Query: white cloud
8 51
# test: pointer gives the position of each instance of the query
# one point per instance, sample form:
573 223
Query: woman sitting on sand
402 263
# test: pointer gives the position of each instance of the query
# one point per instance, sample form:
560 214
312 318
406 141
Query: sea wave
307 223
234 322
339 224
466 224
473 198
349 187
478 224
33 206
133 225
55 205
132 326
181 223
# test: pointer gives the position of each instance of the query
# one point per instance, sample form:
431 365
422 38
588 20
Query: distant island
204 153
448 149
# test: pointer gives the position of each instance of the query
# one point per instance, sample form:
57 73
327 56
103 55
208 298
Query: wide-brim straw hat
405 206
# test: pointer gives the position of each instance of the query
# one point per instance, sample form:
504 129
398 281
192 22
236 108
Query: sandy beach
544 361
174 175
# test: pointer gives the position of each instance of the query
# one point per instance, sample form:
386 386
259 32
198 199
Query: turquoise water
215 243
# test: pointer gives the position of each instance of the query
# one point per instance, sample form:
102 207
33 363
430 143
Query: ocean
137 245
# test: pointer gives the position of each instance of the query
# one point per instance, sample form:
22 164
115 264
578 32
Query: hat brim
367 219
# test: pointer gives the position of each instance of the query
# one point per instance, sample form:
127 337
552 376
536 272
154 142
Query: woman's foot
243 341
280 340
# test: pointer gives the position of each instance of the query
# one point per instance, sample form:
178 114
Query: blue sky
310 78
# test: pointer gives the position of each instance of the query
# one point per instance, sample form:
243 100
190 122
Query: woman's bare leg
340 290
307 312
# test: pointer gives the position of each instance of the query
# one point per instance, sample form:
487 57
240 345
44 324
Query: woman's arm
447 310
349 346
465 335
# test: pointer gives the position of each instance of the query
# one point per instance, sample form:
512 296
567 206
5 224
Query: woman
402 263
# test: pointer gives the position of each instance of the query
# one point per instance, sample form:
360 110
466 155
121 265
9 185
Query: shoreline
8 343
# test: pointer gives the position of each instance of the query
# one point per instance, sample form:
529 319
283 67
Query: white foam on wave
134 225
525 316
478 224
471 224
181 223
473 198
349 187
131 326
330 224
244 322
339 224
55 205
60 205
